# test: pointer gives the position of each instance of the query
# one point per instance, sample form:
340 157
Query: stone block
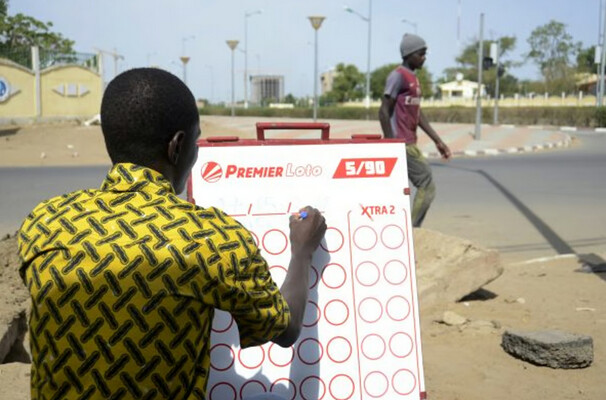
552 348
449 268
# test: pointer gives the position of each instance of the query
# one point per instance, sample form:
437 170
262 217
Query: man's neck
406 65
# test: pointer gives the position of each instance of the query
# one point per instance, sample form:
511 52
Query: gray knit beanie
411 43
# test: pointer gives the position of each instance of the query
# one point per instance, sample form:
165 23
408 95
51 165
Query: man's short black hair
141 110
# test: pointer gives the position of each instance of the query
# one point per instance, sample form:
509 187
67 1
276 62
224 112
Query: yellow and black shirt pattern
124 281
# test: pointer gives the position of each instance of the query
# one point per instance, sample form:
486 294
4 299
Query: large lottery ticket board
361 337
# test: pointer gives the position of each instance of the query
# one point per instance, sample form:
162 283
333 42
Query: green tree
468 66
18 33
585 60
425 80
347 85
289 98
526 87
552 49
378 77
267 101
469 56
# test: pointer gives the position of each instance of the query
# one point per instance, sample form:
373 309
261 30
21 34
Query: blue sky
280 39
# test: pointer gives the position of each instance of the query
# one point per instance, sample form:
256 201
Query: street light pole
478 133
495 57
602 64
459 25
246 15
185 59
598 57
369 21
367 100
316 23
232 44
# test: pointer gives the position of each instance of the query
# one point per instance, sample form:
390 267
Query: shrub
556 116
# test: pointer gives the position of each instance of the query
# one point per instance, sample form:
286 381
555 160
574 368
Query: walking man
400 114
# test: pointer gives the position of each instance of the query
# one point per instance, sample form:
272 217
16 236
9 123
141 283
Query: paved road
526 206
21 189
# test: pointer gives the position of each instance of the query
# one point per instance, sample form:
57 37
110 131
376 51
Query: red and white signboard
361 336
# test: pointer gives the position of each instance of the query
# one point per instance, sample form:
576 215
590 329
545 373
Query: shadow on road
590 262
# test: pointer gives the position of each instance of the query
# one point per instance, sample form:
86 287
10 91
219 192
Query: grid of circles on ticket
297 372
357 328
388 361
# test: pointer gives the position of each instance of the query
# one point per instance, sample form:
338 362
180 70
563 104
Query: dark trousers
419 173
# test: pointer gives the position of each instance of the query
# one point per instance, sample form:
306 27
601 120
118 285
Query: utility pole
367 99
246 16
459 26
184 61
368 20
478 132
598 57
316 23
184 58
495 56
232 44
602 63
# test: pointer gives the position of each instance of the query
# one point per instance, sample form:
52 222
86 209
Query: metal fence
49 58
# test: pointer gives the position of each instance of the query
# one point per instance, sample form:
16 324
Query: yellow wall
22 104
537 101
72 81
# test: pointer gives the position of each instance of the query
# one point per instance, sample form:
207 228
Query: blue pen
303 214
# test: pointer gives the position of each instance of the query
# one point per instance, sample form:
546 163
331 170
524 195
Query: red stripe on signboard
365 168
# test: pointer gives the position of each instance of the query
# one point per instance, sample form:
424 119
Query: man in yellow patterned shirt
124 279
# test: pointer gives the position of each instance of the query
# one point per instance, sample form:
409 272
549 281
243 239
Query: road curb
509 150
555 128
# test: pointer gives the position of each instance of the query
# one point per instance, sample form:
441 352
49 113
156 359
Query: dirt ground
460 363
60 144
468 363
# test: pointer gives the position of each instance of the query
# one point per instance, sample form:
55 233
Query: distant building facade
587 83
460 89
267 88
327 78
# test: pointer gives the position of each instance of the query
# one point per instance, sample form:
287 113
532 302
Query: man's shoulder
51 211
395 73
56 204
394 78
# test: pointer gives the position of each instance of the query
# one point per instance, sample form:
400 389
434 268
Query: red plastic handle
264 126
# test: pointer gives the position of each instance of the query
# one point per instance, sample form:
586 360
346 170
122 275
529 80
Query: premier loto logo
211 172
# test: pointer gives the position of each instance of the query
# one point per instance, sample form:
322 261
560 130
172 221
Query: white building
267 87
460 89
327 79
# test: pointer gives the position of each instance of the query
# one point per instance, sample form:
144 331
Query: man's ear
174 147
